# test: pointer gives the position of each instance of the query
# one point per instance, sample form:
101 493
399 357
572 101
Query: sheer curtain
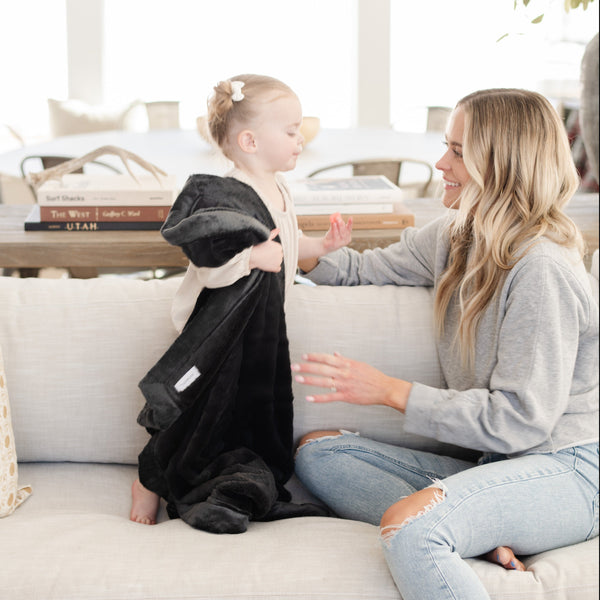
178 49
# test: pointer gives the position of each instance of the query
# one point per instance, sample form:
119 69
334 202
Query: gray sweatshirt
534 383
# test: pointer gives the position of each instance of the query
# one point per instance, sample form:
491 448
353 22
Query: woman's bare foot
144 504
506 558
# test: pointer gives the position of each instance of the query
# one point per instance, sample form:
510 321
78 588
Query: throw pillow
11 495
69 117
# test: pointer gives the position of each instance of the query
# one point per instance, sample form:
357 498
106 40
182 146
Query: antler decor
37 179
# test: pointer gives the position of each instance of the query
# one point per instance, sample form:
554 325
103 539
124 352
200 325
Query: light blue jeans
531 504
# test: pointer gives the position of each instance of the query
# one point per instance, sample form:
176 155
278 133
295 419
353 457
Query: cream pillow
69 117
11 495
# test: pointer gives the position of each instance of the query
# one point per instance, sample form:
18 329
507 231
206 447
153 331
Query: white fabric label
187 379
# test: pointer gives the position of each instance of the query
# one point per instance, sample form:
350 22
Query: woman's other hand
350 381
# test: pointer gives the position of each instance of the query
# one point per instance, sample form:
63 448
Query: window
33 47
178 50
454 50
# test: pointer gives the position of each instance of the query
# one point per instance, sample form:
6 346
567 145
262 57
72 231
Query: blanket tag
187 379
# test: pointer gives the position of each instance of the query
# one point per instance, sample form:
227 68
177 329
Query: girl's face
454 173
277 133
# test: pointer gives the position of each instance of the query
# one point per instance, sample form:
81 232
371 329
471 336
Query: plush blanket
219 401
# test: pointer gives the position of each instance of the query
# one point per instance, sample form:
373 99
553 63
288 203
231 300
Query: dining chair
437 117
163 114
409 174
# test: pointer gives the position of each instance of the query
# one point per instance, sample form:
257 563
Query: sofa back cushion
75 350
388 327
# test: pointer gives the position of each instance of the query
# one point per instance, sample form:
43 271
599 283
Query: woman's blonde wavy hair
224 112
517 154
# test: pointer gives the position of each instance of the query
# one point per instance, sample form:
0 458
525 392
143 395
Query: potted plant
588 111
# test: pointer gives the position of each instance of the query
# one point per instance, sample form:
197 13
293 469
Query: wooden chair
420 172
163 114
437 117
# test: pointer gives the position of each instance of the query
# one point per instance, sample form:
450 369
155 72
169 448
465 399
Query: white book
345 208
75 189
361 189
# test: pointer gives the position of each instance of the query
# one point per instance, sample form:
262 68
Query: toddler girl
233 415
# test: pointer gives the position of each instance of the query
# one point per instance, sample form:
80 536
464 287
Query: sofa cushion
389 327
73 540
75 351
11 495
78 348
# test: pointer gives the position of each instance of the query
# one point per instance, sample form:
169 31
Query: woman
518 345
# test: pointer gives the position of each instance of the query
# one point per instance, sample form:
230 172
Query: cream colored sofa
74 351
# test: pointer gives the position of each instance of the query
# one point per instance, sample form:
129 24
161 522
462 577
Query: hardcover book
77 189
104 213
361 189
359 221
34 223
345 208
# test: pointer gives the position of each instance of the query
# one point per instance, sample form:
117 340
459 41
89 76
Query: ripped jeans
532 503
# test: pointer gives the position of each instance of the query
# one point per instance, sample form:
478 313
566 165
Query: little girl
255 120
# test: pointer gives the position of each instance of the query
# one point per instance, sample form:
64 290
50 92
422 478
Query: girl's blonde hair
224 112
516 151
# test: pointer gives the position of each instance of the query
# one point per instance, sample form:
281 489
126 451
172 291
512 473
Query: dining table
184 152
179 152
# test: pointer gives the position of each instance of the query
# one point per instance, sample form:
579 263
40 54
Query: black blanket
219 401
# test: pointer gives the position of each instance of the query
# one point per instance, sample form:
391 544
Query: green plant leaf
538 19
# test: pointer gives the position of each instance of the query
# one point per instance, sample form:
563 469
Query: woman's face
454 173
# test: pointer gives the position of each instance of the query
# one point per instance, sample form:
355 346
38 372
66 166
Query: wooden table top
118 249
34 249
148 249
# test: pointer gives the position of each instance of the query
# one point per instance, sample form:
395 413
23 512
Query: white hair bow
236 91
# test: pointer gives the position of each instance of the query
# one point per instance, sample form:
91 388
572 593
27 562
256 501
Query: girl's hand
268 255
350 381
339 234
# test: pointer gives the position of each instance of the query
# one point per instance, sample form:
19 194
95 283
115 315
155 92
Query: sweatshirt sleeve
413 260
543 324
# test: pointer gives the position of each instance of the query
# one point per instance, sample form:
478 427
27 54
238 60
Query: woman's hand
268 255
350 381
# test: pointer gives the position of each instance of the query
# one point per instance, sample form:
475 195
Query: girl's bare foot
506 558
144 504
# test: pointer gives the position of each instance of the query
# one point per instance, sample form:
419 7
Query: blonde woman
518 345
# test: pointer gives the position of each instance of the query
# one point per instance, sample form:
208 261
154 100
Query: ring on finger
332 386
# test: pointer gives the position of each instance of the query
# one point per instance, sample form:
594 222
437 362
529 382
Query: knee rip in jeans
409 511
307 440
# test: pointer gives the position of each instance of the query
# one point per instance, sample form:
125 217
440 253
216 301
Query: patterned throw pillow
11 495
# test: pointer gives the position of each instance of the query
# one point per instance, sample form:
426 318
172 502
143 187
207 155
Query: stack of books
372 201
102 203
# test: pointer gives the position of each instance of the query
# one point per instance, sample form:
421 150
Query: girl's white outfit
198 278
